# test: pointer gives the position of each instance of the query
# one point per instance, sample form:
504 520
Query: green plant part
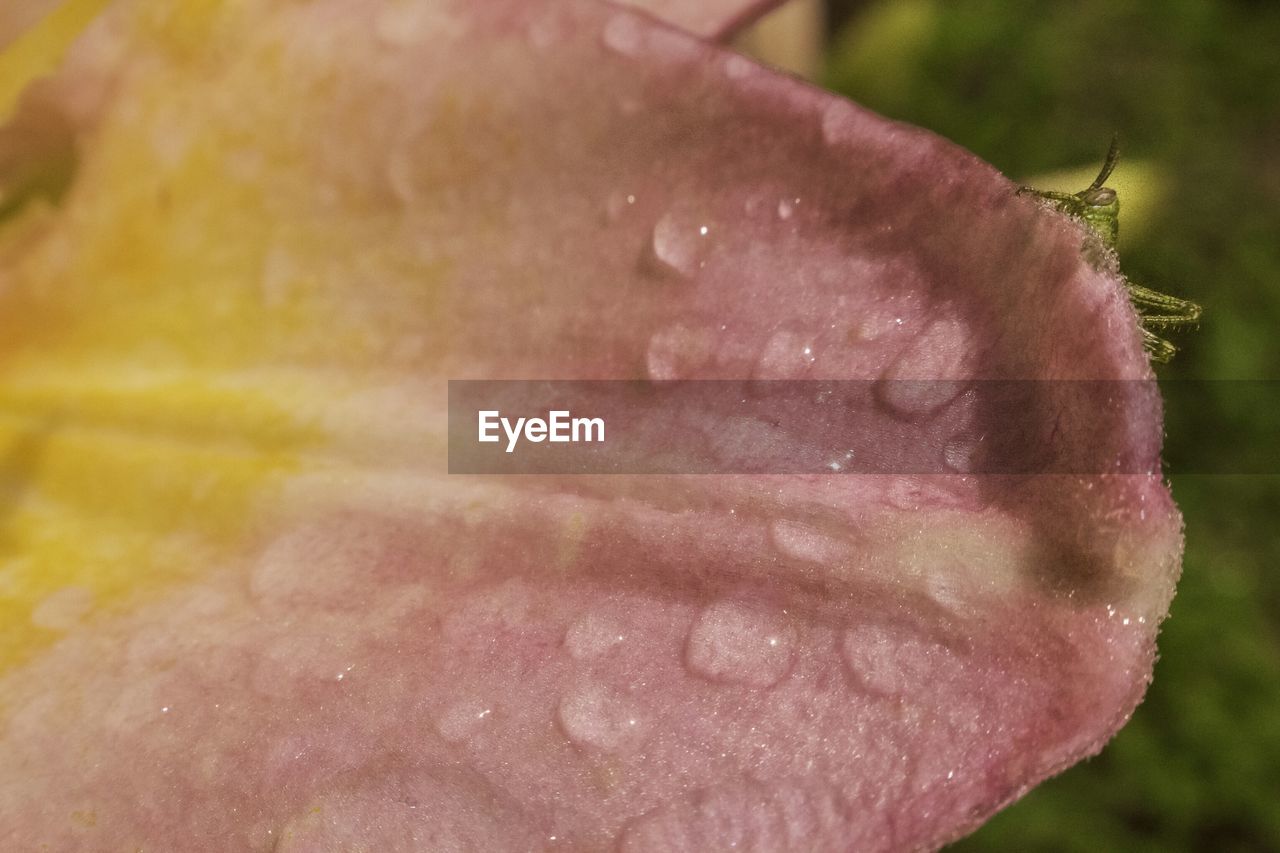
1098 206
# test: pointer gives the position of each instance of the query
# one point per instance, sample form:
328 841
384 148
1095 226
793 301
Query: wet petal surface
243 601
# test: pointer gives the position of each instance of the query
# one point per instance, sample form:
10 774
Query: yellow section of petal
39 50
154 324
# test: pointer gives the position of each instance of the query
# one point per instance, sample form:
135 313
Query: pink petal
710 19
313 217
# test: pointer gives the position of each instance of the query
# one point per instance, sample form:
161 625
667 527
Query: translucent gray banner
913 427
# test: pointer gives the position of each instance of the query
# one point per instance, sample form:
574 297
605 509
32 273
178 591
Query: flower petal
237 574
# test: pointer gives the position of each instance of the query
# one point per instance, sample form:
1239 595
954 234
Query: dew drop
676 248
889 665
623 34
463 720
841 462
787 207
736 644
597 717
785 356
922 379
593 636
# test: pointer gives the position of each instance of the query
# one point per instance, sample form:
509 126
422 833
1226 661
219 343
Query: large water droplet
598 717
593 636
737 644
925 376
678 352
890 661
677 247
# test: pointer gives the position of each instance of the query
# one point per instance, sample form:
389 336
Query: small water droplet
785 356
842 461
593 636
787 207
463 719
736 644
623 34
676 248
598 717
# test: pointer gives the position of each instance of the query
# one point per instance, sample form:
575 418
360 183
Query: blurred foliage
1193 88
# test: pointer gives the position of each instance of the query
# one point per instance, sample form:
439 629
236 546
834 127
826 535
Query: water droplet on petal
787 207
593 636
676 247
598 717
785 356
923 378
841 462
891 662
736 644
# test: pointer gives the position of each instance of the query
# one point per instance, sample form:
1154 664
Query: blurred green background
1193 88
